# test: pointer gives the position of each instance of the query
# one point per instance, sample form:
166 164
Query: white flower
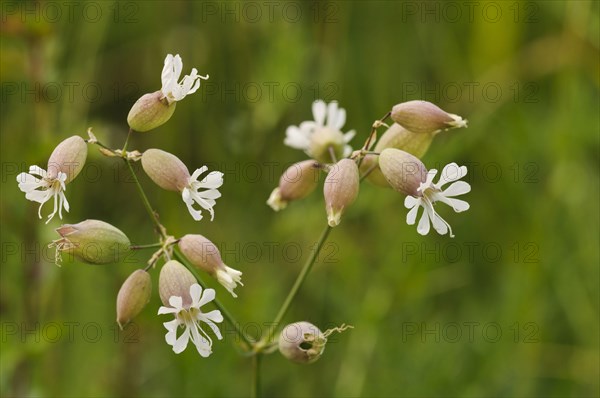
190 319
43 188
229 278
206 198
328 118
432 193
173 89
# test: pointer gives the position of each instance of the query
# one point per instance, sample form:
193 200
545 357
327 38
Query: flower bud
133 296
149 112
175 280
165 169
302 342
340 189
403 171
322 140
425 117
203 254
92 241
297 182
68 157
400 138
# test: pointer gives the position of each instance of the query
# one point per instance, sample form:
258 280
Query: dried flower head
302 342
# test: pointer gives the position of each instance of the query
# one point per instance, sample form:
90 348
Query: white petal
296 138
347 151
203 346
37 170
167 310
208 296
210 194
177 66
332 111
176 302
411 216
195 294
411 201
451 172
430 176
340 119
319 109
214 316
171 325
457 204
349 135
182 342
439 224
213 180
214 328
423 227
197 173
171 335
457 188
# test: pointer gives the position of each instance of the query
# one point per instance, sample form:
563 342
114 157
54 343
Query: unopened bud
403 171
149 112
340 189
425 117
133 296
302 342
203 254
165 169
175 280
68 157
325 141
297 182
92 241
400 138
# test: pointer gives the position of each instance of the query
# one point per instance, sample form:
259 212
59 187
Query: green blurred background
507 308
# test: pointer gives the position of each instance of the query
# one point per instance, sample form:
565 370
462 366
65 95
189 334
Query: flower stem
255 388
151 212
299 281
228 317
124 152
150 246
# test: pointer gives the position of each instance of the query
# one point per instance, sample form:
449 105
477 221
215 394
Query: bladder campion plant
392 161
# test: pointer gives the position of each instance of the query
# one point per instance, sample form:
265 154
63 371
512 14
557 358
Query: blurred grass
540 134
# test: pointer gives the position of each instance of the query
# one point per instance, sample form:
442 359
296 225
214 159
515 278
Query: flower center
188 315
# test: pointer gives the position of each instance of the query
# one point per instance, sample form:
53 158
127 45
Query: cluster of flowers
391 161
394 162
97 242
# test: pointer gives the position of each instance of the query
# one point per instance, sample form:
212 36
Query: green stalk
147 204
150 246
299 281
255 387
